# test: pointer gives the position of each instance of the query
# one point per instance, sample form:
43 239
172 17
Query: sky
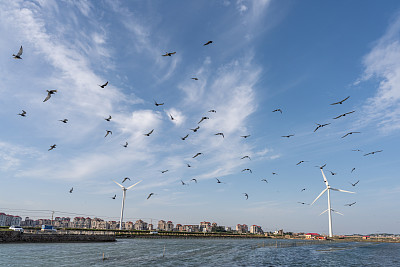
296 56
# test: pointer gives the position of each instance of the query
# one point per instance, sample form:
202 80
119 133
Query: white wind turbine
329 210
123 200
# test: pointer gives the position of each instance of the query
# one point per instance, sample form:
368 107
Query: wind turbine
124 189
329 210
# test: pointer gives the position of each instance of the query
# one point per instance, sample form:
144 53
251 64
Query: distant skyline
271 73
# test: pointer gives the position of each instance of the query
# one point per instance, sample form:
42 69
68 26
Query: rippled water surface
201 252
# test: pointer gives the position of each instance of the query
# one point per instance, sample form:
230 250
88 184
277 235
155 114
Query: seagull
301 161
222 134
344 114
349 133
195 129
264 180
278 109
371 153
183 183
218 181
104 85
64 120
114 197
164 171
150 195
52 147
158 104
172 118
194 180
18 55
321 167
22 114
287 136
302 190
196 79
188 165
354 183
340 102
202 119
247 170
149 133
49 93
245 157
356 150
184 138
72 189
245 136
108 132
198 154
169 54
209 42
351 204
302 203
126 178
246 195
212 110
320 125
126 144
333 173
109 118
274 173
353 170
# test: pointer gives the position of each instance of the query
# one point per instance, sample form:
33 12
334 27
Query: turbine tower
123 200
329 210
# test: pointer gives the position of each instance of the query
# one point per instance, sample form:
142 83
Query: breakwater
17 237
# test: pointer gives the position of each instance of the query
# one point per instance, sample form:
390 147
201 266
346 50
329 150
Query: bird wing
47 97
20 51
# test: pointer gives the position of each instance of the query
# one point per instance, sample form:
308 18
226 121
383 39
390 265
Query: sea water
201 252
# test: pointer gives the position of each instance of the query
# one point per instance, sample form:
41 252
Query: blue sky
299 56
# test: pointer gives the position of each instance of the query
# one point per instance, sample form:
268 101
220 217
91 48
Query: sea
202 252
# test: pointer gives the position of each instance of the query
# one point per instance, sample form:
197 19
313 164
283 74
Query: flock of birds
194 130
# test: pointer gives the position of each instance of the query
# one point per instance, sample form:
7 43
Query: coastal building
191 228
140 225
162 225
242 228
8 220
255 229
170 226
205 227
312 236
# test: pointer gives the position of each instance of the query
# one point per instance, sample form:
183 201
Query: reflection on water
201 252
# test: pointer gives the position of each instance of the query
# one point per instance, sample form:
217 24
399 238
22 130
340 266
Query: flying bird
126 178
172 118
344 114
303 189
221 134
150 195
349 133
302 203
22 114
183 183
246 195
52 147
196 79
114 197
198 154
202 119
164 171
158 104
126 144
108 132
149 133
64 120
247 170
353 170
301 161
194 180
218 181
278 109
18 55
195 129
184 138
168 54
350 204
321 167
109 118
264 180
371 153
333 173
104 85
245 136
287 136
245 157
188 165
209 42
355 183
320 125
274 173
340 102
49 93
212 110
356 150
72 189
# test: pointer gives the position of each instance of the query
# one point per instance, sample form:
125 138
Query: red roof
312 234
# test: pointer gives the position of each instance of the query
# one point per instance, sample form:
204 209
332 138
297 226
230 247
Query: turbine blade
118 184
323 212
338 212
133 185
340 190
325 180
323 191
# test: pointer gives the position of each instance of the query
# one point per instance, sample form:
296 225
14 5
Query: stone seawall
17 237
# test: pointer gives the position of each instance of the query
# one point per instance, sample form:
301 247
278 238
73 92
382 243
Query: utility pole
52 215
